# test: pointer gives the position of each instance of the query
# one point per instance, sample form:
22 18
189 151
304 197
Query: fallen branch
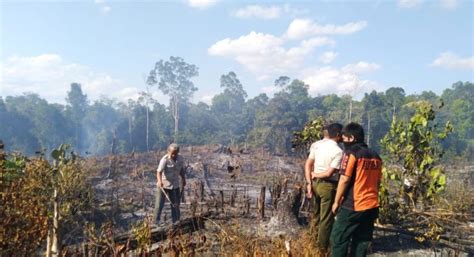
453 243
127 239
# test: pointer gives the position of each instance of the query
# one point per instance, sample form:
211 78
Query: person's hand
159 184
335 207
309 190
313 175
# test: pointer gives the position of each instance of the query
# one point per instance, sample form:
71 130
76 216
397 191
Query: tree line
31 125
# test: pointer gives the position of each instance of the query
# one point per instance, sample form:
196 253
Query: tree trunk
350 110
176 117
261 203
368 128
393 113
130 131
114 142
55 236
147 126
48 242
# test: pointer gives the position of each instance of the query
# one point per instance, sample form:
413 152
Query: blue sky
343 47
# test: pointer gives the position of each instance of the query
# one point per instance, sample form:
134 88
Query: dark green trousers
355 226
323 195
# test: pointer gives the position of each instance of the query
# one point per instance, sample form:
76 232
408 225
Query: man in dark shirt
356 202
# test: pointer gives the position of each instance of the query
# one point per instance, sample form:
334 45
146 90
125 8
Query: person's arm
347 170
308 168
328 173
159 173
182 174
341 188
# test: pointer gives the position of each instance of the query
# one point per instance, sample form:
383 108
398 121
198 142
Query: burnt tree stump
201 190
222 200
261 203
289 207
233 197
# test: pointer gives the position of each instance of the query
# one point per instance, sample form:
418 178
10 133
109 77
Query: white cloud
446 4
343 80
201 4
270 90
265 54
452 61
266 12
449 4
205 98
328 57
104 7
409 3
50 76
301 28
258 11
361 67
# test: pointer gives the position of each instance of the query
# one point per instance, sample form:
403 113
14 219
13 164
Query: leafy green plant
25 189
40 200
413 147
142 233
312 132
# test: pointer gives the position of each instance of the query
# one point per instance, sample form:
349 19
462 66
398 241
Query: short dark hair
334 129
355 130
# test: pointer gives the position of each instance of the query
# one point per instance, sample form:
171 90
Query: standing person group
344 186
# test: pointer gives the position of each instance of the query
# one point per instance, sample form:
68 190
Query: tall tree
460 111
228 107
49 125
201 126
395 98
77 107
146 98
16 128
174 79
282 81
373 108
99 123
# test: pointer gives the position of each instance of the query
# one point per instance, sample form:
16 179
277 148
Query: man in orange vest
356 202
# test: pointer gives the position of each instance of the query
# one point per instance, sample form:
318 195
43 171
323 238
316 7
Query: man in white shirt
321 176
170 176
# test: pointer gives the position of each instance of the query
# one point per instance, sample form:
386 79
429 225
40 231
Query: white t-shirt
171 171
326 154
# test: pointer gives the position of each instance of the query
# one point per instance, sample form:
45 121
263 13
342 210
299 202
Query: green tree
282 81
252 106
414 147
312 132
374 118
16 129
274 125
228 108
460 111
161 125
100 121
47 122
174 79
201 125
77 104
395 97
